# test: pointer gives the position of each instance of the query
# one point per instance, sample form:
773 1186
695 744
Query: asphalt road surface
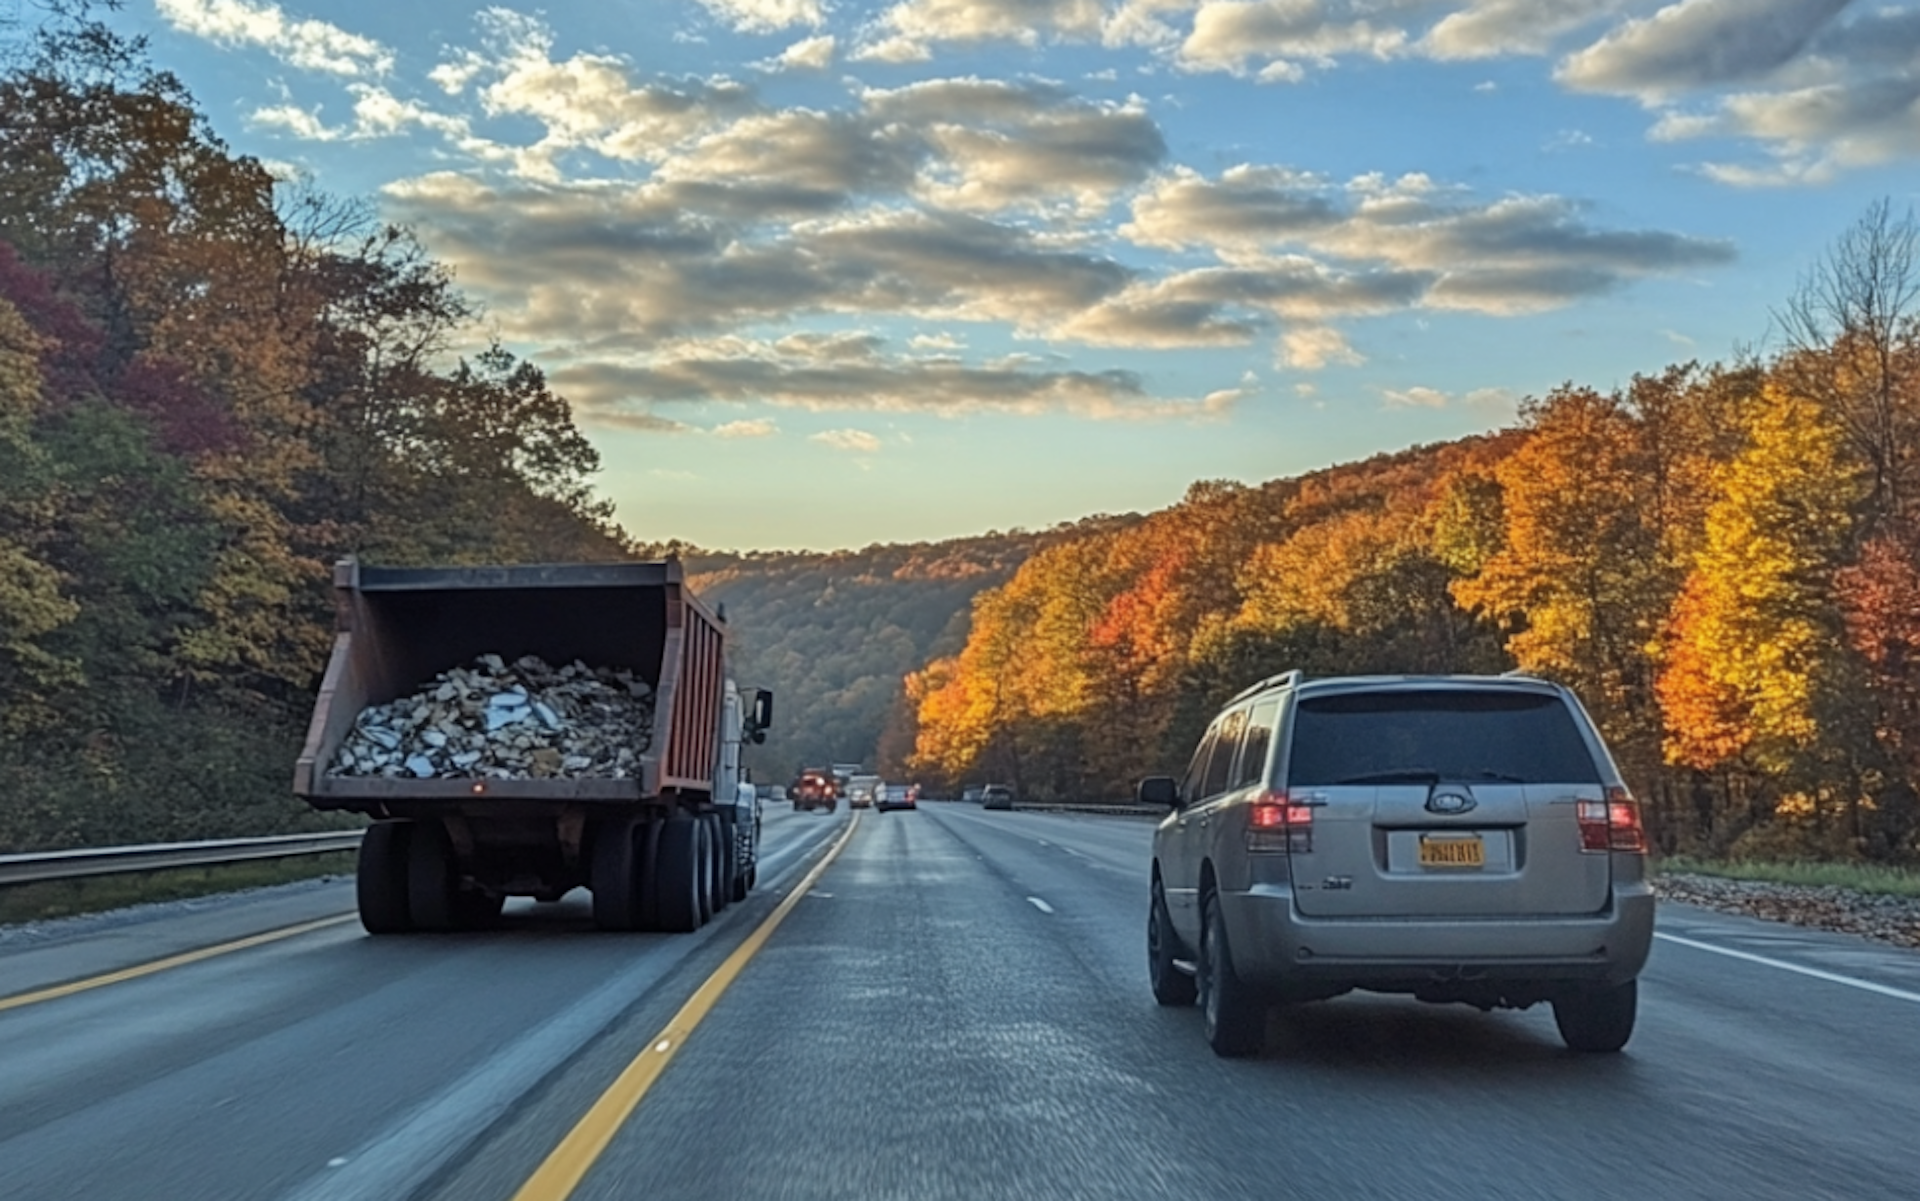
957 1008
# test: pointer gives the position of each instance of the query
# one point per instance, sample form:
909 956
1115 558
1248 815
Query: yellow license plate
1453 852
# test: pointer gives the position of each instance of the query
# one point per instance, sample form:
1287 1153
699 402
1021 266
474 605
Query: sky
825 273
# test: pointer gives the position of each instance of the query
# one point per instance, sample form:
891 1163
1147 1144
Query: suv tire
1232 1014
1597 1019
1171 986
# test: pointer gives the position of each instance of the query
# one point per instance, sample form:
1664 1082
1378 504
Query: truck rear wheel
380 883
679 871
646 869
612 877
704 891
720 836
432 883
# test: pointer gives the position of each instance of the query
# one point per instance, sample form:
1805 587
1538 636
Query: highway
956 1008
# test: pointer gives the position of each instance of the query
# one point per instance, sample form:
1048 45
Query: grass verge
48 899
1860 877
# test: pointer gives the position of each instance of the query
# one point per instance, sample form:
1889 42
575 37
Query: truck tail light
1612 824
1276 824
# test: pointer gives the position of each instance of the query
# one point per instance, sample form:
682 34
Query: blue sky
821 274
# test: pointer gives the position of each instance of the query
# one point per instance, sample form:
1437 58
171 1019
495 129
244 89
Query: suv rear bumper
1276 947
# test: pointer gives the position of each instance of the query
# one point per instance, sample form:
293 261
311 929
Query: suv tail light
1612 824
1275 823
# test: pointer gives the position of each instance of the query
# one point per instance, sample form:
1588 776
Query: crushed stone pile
1879 916
498 721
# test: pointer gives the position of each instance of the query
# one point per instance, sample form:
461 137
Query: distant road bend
956 1008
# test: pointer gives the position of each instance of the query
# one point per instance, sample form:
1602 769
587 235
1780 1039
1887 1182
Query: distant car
1459 838
815 790
996 796
863 791
898 796
971 795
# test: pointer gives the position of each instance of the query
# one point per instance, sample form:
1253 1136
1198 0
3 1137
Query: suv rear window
1453 734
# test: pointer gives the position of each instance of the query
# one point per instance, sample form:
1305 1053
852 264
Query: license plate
1453 852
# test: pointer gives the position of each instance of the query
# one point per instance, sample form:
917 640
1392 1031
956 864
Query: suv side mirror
1158 790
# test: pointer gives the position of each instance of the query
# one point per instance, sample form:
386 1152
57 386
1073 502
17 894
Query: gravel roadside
1883 918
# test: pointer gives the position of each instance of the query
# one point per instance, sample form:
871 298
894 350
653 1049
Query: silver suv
1459 838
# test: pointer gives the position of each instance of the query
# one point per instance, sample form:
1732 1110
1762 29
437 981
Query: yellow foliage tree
1756 643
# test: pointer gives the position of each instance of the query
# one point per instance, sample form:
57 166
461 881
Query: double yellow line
568 1164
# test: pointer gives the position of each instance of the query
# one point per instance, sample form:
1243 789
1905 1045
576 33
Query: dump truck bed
399 627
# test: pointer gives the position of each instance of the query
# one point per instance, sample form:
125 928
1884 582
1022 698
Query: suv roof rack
1285 679
1520 673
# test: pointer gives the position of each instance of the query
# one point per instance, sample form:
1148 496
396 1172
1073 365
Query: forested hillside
834 634
212 387
1723 560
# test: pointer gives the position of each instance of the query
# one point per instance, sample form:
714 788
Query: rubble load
496 721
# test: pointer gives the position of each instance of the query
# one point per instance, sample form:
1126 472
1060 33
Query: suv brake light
1276 824
1612 824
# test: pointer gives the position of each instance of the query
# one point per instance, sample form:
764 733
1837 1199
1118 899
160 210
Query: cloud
587 102
995 145
1568 139
851 441
940 342
1410 241
632 421
307 44
377 113
1697 44
1316 347
735 369
808 54
757 428
1497 28
907 31
765 16
1819 87
1285 33
1416 398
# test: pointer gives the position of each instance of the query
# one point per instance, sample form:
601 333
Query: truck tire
380 883
720 831
679 871
646 871
432 882
737 881
612 877
704 834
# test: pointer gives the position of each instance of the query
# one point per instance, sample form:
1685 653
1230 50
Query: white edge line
1043 907
1831 977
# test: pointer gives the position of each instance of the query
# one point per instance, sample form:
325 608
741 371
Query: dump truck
658 839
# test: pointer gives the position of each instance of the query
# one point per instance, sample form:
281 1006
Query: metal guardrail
107 861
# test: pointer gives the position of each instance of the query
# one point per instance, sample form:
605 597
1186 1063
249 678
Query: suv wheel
1599 1018
1171 986
1232 1014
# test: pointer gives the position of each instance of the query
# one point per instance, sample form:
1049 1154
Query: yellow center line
567 1165
172 961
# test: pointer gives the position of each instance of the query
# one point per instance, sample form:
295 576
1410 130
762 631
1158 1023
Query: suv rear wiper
1393 777
1498 777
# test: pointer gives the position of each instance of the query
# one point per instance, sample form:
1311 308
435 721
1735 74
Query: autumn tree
1757 673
